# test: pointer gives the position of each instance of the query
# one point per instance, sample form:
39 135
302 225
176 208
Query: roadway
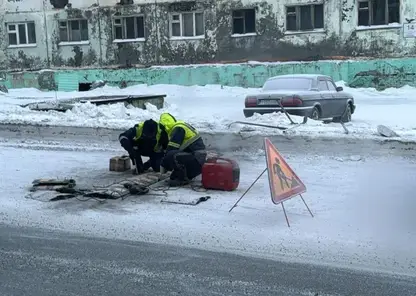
39 262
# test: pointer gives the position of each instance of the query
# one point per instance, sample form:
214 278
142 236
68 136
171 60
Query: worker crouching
147 138
185 153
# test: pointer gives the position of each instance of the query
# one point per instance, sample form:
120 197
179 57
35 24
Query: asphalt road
39 262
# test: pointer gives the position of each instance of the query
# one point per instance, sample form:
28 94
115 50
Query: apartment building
41 34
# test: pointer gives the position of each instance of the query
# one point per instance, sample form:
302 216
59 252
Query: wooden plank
109 100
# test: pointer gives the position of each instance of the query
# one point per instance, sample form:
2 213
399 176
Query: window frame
68 31
16 31
330 82
181 24
244 18
298 18
123 25
370 13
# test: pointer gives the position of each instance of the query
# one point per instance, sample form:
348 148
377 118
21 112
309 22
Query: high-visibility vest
191 135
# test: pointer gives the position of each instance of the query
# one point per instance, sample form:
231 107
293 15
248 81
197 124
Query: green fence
357 73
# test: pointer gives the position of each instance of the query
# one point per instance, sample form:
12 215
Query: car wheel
347 114
315 113
248 113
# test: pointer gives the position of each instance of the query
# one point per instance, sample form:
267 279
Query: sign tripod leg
306 204
248 189
284 211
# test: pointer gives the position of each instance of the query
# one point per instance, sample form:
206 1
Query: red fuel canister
220 174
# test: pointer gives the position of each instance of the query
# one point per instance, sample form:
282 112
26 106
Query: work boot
146 165
138 170
177 182
178 178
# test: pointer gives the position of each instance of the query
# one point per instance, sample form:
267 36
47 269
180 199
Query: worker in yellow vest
185 153
147 138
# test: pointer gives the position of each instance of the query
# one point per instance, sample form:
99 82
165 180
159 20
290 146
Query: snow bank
211 108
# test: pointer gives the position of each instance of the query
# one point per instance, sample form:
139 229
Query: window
187 24
288 83
304 17
129 27
244 21
378 12
322 85
21 33
73 31
325 85
331 86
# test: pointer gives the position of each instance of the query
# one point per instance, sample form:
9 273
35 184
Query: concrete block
120 164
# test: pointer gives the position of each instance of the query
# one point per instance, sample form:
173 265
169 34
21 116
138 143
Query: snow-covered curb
219 141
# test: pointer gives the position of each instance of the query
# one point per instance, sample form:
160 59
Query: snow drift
211 108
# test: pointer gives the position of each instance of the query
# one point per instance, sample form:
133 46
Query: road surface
362 204
38 262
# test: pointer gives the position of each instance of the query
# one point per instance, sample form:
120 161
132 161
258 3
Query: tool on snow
192 202
52 184
135 189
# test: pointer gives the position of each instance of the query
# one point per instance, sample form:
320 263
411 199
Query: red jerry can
220 174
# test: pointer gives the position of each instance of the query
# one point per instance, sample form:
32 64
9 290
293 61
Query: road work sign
284 183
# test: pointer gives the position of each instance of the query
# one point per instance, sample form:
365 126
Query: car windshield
288 83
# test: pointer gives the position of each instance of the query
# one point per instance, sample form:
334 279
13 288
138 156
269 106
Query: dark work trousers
184 164
154 161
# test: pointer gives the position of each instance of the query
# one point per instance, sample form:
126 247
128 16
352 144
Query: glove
162 170
136 157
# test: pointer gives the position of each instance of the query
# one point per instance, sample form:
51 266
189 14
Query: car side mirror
339 88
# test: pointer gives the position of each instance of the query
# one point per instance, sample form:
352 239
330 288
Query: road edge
219 141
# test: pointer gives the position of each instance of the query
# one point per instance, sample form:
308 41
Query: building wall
271 38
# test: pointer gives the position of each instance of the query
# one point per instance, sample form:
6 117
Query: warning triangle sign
284 183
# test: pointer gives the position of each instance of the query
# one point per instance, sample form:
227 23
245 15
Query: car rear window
288 83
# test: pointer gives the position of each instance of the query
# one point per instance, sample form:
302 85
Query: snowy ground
364 208
212 108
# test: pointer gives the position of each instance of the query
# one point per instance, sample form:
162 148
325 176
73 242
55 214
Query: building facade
39 34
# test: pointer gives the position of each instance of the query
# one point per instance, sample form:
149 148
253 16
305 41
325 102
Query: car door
327 98
339 103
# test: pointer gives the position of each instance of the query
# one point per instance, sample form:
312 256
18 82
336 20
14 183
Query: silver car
311 95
